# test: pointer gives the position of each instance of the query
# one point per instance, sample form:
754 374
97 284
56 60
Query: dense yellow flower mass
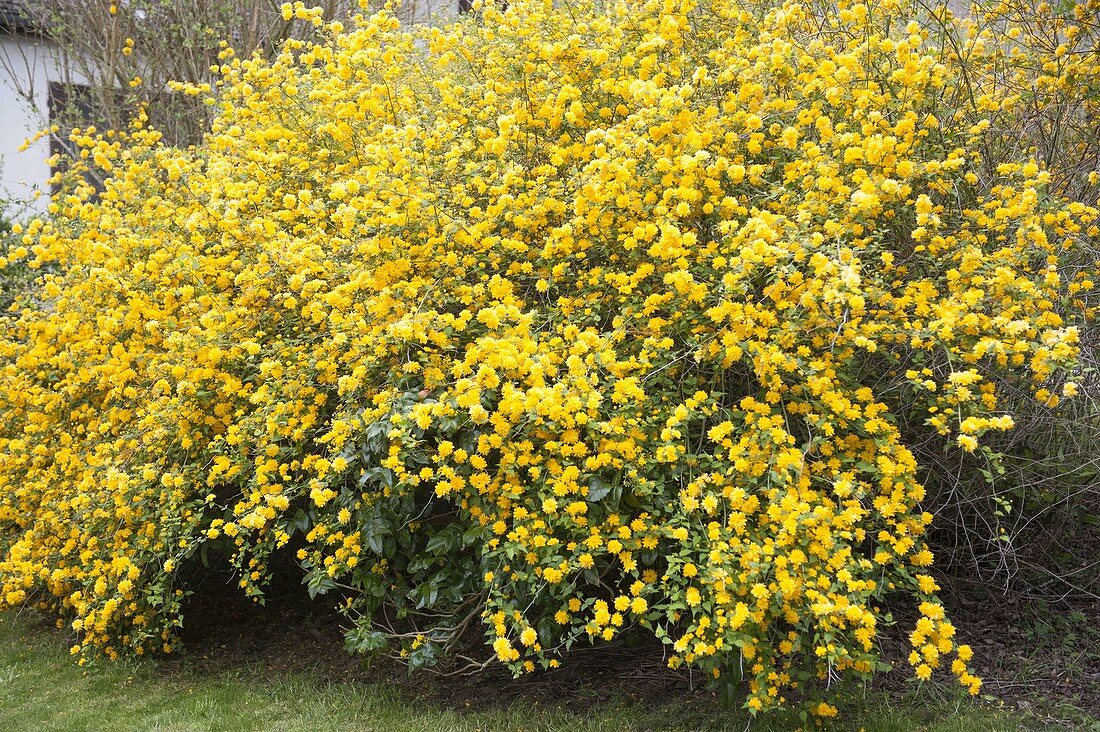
567 320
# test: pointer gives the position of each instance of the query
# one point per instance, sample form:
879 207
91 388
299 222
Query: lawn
41 688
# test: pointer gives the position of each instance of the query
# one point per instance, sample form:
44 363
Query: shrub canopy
560 320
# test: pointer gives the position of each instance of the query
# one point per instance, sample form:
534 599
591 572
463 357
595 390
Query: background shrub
1021 514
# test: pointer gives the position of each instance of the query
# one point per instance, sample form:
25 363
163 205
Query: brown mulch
1036 654
290 634
1037 658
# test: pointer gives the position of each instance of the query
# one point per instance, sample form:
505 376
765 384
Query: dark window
71 105
465 6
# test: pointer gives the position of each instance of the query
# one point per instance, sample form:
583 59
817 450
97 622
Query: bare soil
1038 657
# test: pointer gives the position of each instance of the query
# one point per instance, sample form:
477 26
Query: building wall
27 66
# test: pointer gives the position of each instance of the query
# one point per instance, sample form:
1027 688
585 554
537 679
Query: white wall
27 66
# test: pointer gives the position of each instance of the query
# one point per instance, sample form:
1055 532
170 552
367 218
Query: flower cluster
565 320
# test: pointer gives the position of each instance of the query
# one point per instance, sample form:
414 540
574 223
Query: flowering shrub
564 320
16 280
1012 514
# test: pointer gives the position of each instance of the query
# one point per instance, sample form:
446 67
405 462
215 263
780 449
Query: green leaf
365 641
318 583
445 541
472 535
597 489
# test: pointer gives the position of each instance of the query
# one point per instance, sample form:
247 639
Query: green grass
41 689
